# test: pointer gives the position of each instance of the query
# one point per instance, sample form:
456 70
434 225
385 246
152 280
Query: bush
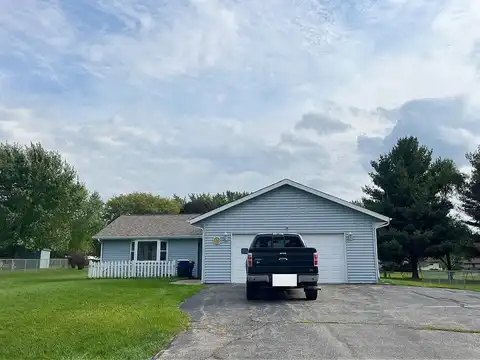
78 260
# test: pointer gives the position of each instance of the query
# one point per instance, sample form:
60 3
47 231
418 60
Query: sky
209 95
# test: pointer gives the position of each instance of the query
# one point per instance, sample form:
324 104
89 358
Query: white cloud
205 95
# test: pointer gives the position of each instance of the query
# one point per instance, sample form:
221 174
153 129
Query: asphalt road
348 321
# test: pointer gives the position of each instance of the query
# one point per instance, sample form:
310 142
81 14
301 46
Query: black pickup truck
281 261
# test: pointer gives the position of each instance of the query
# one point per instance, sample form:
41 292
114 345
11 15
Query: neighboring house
471 264
344 234
431 266
151 237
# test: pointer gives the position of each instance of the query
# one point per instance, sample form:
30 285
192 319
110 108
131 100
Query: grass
459 283
60 314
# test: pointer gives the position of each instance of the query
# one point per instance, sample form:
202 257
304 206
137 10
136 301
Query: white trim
101 249
297 186
135 251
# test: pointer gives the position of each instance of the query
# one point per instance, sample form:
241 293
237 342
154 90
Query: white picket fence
132 269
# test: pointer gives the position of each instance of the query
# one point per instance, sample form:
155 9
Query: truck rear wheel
311 294
251 291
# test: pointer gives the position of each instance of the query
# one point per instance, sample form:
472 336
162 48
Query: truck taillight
250 260
315 259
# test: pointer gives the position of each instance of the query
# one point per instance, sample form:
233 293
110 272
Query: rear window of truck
277 241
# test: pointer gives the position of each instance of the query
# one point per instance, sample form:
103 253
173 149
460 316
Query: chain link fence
31 264
459 277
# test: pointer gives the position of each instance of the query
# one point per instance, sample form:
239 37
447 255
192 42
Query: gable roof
297 186
128 226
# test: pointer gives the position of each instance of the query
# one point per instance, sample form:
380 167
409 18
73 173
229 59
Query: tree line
435 208
43 204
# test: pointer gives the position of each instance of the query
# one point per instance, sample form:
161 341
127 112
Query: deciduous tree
205 202
140 203
39 198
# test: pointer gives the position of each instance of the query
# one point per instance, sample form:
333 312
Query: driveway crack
215 354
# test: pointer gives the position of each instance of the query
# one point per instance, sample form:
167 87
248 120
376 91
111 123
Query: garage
330 249
344 234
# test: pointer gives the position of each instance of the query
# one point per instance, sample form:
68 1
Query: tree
205 202
451 243
33 188
470 194
36 192
415 191
87 219
139 203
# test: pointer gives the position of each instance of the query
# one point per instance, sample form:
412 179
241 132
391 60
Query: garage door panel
331 257
238 273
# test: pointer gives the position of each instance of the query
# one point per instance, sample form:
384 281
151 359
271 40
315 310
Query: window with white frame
148 250
132 250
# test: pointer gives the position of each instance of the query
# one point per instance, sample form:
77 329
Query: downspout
376 227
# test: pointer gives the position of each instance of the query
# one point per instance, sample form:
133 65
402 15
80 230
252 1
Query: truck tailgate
283 261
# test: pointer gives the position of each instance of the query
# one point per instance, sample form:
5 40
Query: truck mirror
244 251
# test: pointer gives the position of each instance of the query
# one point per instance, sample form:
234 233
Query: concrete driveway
348 321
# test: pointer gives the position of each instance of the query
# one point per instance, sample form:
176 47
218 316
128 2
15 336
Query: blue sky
208 95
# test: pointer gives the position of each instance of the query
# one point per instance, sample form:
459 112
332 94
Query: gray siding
114 250
301 212
184 249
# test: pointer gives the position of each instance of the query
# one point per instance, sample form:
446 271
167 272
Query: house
344 234
151 237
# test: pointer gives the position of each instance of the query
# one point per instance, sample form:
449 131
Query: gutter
129 237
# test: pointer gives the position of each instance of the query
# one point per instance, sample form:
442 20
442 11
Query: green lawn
60 314
468 285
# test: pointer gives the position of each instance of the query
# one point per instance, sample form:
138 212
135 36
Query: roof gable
130 226
297 186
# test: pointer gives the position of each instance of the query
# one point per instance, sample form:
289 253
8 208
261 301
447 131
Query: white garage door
332 266
331 257
238 275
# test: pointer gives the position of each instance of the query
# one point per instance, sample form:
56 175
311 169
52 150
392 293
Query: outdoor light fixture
349 236
225 236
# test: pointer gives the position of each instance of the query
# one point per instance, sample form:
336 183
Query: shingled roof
150 225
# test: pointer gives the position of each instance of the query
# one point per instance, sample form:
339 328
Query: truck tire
251 291
311 294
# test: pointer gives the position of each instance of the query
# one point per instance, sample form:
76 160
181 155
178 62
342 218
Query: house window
163 250
148 250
